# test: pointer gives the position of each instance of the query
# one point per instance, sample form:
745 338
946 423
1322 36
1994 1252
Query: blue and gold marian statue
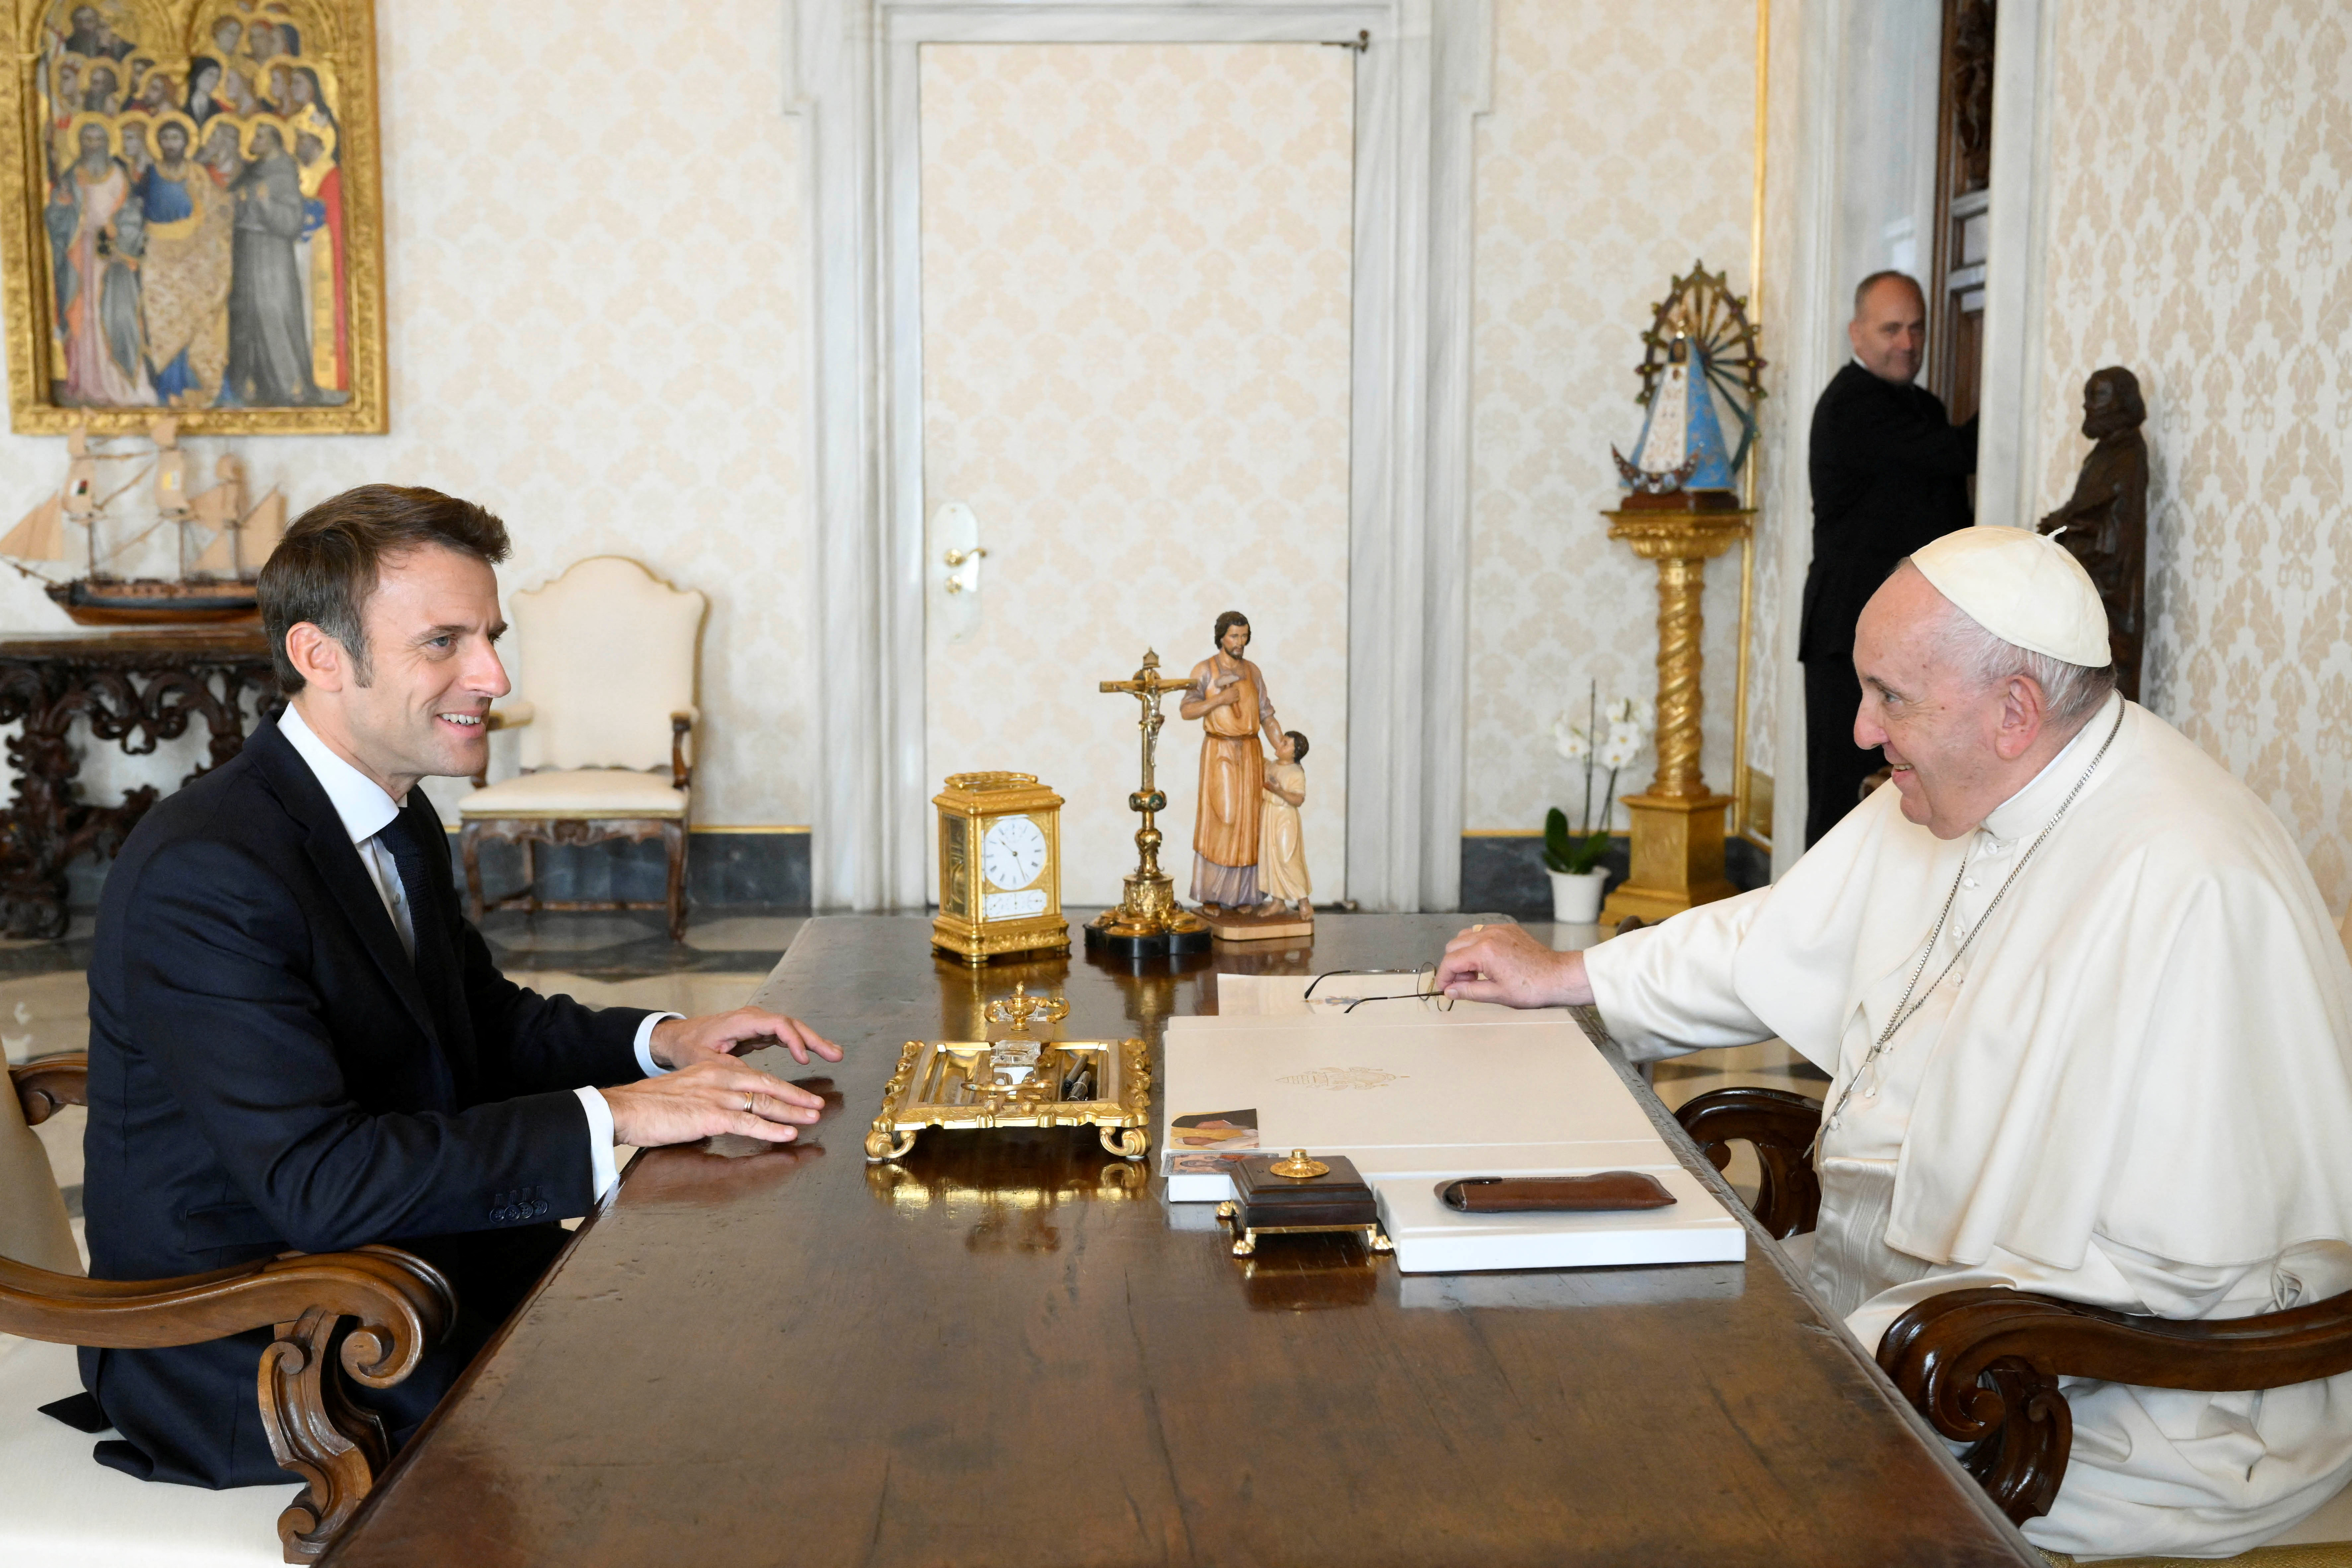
1701 365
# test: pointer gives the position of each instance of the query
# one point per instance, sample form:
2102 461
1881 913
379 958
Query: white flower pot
1576 895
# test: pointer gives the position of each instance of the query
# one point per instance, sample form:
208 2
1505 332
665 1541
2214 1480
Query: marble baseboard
1503 875
770 869
1506 875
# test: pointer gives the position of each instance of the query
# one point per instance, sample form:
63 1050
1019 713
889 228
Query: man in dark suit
1890 471
298 1041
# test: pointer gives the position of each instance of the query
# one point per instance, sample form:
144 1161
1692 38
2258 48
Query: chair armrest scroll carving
1781 1127
1983 1366
47 1085
681 725
399 1305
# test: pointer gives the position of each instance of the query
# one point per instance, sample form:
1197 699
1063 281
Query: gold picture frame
295 344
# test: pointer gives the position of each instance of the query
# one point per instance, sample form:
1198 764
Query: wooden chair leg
318 1432
469 846
674 839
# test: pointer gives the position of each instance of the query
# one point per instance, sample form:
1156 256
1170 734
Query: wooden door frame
852 77
1952 206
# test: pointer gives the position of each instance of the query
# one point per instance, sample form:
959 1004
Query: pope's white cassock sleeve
2133 1088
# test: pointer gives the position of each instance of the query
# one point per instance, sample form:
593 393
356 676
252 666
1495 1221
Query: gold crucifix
1148 920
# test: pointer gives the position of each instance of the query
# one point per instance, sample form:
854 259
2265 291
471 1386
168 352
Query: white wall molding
1818 310
854 79
2024 55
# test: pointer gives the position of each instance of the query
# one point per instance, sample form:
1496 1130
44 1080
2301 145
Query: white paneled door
1136 318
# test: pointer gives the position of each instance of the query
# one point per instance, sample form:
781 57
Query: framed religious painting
191 215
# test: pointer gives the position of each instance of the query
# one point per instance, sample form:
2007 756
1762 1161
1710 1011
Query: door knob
955 535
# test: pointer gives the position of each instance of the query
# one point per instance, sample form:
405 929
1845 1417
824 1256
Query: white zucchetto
2024 588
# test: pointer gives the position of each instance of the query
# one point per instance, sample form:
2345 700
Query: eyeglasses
1421 992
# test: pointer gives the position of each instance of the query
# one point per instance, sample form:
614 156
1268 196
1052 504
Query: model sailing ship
221 540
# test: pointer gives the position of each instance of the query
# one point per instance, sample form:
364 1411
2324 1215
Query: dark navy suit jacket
270 1071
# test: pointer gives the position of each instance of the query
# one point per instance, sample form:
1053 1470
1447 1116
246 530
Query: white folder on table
1416 1098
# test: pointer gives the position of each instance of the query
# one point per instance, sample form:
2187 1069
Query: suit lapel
337 861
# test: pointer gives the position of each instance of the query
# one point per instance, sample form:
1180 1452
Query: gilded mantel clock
1000 868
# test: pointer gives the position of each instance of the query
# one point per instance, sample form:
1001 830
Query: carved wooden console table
138 688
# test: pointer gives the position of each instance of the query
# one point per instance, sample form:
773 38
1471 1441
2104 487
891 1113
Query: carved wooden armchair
1984 1365
397 1305
608 654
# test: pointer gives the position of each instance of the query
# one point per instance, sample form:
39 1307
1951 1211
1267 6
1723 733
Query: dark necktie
416 891
435 954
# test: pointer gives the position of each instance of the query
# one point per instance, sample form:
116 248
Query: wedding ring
746 1105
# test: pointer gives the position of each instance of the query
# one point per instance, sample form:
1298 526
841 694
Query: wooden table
136 687
1004 1352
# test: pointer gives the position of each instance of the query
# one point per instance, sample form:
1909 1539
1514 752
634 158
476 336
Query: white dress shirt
366 810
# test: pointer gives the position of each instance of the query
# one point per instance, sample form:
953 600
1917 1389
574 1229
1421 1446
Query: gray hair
2073 691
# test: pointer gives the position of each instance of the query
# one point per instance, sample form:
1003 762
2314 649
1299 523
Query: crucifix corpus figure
1147 922
1228 695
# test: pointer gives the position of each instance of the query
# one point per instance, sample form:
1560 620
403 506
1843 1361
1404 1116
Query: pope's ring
746 1105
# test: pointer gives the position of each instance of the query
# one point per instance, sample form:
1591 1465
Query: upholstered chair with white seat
58 1506
607 656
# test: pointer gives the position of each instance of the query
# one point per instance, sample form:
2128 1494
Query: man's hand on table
1503 964
682 1042
708 1091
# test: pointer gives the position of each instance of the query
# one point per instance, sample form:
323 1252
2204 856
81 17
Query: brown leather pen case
1559 1195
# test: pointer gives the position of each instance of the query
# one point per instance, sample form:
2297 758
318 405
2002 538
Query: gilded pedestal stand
1148 922
1678 822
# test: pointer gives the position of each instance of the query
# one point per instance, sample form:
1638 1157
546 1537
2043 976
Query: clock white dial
1012 852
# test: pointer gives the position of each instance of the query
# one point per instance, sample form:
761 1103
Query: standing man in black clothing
1890 472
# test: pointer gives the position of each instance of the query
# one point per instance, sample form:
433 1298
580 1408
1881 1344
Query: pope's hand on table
717 1094
1503 964
682 1042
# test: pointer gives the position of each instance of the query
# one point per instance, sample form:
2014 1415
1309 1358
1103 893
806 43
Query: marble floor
626 959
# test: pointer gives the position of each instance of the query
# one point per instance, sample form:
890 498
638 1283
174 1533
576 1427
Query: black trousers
1834 765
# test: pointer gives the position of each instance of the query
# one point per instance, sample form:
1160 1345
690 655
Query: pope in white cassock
2088 1025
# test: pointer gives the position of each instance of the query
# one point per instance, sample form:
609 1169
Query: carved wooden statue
1228 693
2104 522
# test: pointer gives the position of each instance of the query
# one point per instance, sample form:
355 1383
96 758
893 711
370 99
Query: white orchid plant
1613 737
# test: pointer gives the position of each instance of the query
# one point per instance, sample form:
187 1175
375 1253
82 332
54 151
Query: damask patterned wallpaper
594 259
592 256
1608 164
2200 233
1136 333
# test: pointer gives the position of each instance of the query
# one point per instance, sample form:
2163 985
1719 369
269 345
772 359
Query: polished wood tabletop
1006 1349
